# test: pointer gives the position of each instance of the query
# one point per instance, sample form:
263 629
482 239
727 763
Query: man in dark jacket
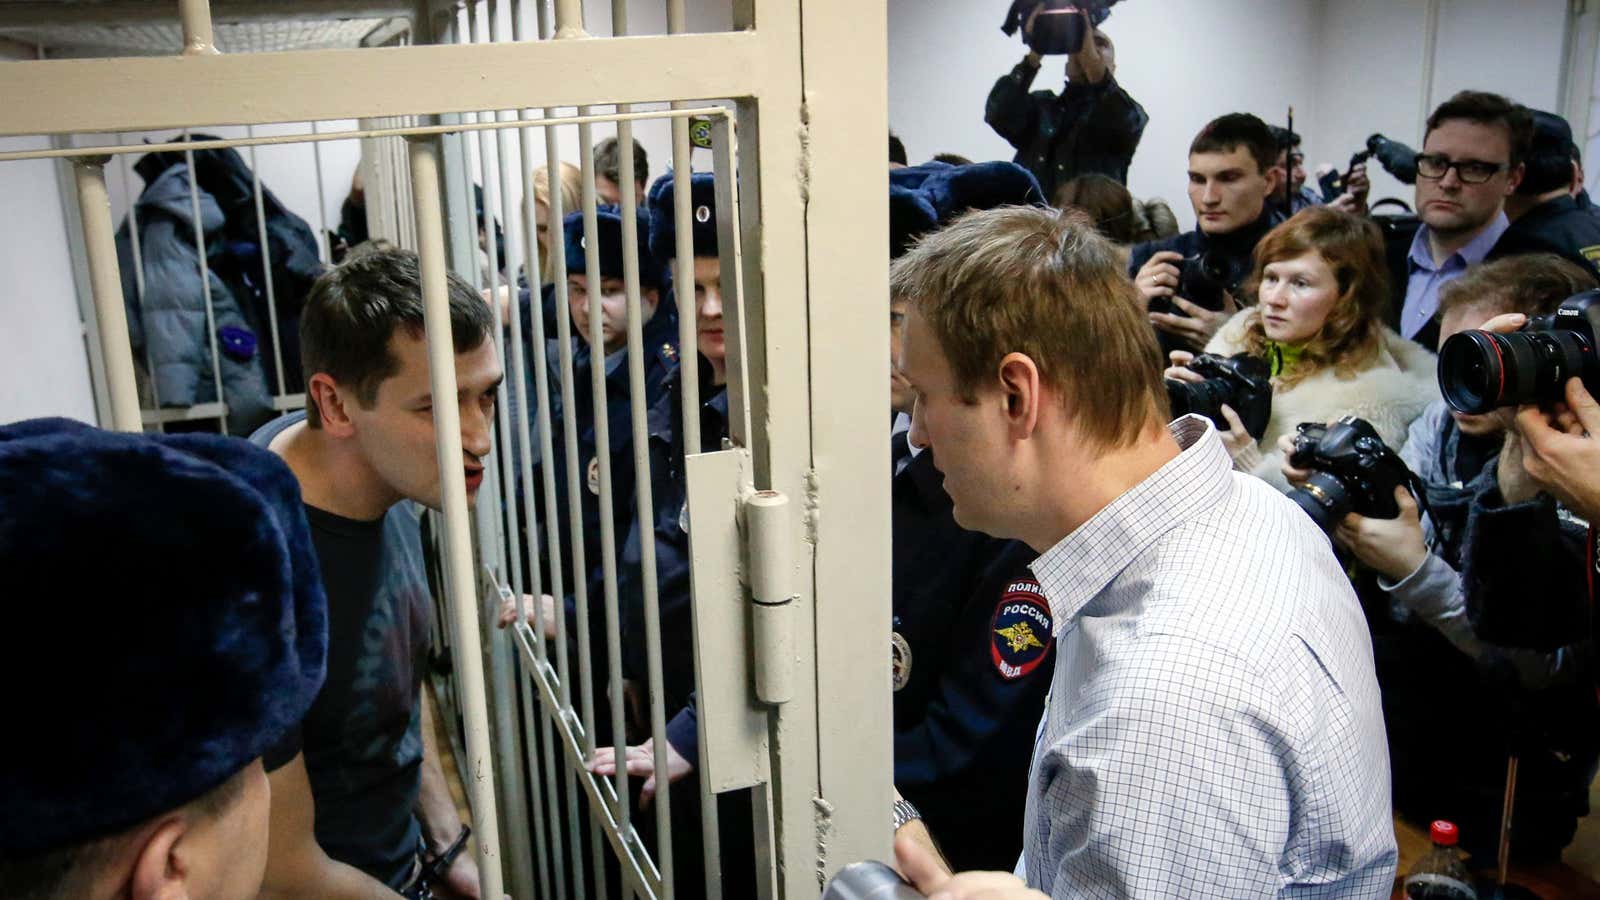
1545 218
1091 126
1232 173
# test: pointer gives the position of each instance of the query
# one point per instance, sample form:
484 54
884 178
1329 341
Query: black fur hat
168 622
608 225
663 224
923 198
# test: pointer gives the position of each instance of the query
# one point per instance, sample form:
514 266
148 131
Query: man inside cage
147 705
360 805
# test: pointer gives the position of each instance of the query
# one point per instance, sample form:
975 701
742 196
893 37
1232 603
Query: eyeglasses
1433 166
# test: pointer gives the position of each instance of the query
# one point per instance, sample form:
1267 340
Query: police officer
971 646
144 706
1545 217
660 342
668 529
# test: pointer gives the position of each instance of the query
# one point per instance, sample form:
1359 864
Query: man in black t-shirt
358 802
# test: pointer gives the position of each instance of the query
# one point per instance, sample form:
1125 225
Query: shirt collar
1081 564
1421 256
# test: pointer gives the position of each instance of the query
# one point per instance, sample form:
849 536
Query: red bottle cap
1444 833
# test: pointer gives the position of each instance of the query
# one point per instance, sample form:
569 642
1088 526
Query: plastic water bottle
1441 875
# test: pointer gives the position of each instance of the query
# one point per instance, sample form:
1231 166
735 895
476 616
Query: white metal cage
789 533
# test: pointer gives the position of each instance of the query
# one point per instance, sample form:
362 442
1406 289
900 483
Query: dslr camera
1202 279
1059 26
1480 370
1242 382
1352 471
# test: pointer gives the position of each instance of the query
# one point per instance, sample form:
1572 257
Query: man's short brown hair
1483 108
1533 285
1045 284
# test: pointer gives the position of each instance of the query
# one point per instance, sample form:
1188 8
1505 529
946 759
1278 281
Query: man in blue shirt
1471 161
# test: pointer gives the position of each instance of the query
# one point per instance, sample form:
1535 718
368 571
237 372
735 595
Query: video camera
1481 370
1242 382
1059 26
1396 158
1352 470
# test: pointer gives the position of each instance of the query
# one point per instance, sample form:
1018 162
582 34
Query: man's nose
711 303
475 427
1209 195
919 433
1451 179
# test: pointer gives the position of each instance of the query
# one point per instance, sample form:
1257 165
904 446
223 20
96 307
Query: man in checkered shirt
1213 727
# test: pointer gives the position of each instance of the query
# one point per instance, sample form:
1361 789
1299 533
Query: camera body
1396 158
1202 279
1480 370
1352 470
1242 382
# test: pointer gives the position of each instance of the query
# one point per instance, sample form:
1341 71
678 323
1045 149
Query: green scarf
1283 357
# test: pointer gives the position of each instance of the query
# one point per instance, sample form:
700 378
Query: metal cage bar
479 775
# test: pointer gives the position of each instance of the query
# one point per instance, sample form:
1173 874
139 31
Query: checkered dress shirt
1213 728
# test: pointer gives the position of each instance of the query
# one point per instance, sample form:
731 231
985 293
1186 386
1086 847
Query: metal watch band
903 813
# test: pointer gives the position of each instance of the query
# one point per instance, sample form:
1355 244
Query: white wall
1371 68
1349 67
44 366
1185 61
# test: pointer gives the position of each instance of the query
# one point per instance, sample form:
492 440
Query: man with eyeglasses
1471 161
1545 216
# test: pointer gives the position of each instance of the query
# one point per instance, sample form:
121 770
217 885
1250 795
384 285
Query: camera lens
1324 499
1480 371
869 880
1200 398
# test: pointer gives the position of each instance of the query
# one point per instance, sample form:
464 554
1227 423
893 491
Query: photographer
1293 194
1232 173
1320 284
1422 633
1091 126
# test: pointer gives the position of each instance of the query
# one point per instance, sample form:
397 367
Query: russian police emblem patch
1020 632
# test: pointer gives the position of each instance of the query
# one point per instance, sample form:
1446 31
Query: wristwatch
904 812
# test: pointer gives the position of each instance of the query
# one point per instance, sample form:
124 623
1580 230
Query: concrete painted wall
1349 67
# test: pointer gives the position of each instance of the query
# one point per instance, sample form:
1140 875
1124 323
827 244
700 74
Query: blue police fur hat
608 225
986 185
168 618
663 223
923 198
1549 162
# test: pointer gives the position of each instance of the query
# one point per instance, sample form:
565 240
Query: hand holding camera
1348 468
1186 296
1394 548
1235 393
1548 369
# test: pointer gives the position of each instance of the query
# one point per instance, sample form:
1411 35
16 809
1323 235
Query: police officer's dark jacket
669 530
972 659
1557 226
660 342
1086 128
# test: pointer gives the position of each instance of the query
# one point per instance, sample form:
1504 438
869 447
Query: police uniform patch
702 214
670 352
1021 630
899 660
594 475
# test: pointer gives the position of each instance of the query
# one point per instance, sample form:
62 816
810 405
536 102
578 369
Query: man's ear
1020 387
160 867
1514 178
330 401
649 301
1276 177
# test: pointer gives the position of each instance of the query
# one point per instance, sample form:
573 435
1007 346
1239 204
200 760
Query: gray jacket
167 322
